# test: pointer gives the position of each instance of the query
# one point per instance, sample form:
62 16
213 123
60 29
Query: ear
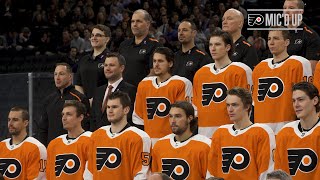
190 119
107 40
170 64
228 47
315 100
82 117
194 33
26 123
126 110
287 42
122 68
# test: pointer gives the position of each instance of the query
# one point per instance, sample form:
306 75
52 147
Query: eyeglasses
97 35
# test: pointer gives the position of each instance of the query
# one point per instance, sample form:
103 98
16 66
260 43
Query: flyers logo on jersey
10 168
271 86
238 158
159 106
216 92
109 157
67 163
305 160
176 168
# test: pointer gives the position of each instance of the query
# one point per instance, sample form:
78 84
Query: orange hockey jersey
272 94
182 160
298 152
210 88
153 102
242 154
24 161
316 79
67 159
120 156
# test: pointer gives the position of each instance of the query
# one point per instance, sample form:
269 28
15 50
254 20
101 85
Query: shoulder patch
246 43
200 52
153 39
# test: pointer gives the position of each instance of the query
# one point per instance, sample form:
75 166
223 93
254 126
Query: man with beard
21 156
182 154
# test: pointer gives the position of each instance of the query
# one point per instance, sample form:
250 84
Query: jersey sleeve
140 154
213 154
244 78
280 154
36 165
185 91
137 115
88 171
316 78
155 167
266 145
50 168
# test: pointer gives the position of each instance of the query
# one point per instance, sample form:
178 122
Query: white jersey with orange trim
210 88
68 158
272 89
298 151
153 102
120 156
182 160
24 161
242 154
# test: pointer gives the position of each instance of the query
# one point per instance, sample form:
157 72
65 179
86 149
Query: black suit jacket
99 119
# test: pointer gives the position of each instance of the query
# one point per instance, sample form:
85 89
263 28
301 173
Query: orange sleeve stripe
308 30
200 52
244 42
79 99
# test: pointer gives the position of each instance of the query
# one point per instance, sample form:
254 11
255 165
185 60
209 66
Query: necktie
104 105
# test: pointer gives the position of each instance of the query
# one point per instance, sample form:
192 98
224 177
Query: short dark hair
244 95
105 29
279 174
69 69
189 111
193 25
121 59
168 53
285 33
80 107
24 112
123 96
226 37
310 90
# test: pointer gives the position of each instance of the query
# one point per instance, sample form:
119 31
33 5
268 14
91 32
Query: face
231 21
115 111
62 77
73 52
185 33
235 108
160 64
277 44
287 9
70 119
179 121
112 68
218 49
139 26
15 123
98 38
302 104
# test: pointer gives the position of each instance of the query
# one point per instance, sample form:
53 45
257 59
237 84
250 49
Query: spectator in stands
115 17
50 125
232 22
25 41
117 38
305 42
90 74
87 43
114 65
138 50
189 59
45 46
64 46
77 41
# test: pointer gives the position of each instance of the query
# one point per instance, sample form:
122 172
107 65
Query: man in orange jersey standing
156 93
241 150
298 145
68 154
121 152
272 81
182 154
21 156
212 81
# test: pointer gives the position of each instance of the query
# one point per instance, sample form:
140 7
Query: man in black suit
114 66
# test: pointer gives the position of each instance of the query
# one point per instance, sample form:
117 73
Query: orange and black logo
270 86
238 158
109 157
159 106
305 160
216 92
10 168
67 163
176 168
